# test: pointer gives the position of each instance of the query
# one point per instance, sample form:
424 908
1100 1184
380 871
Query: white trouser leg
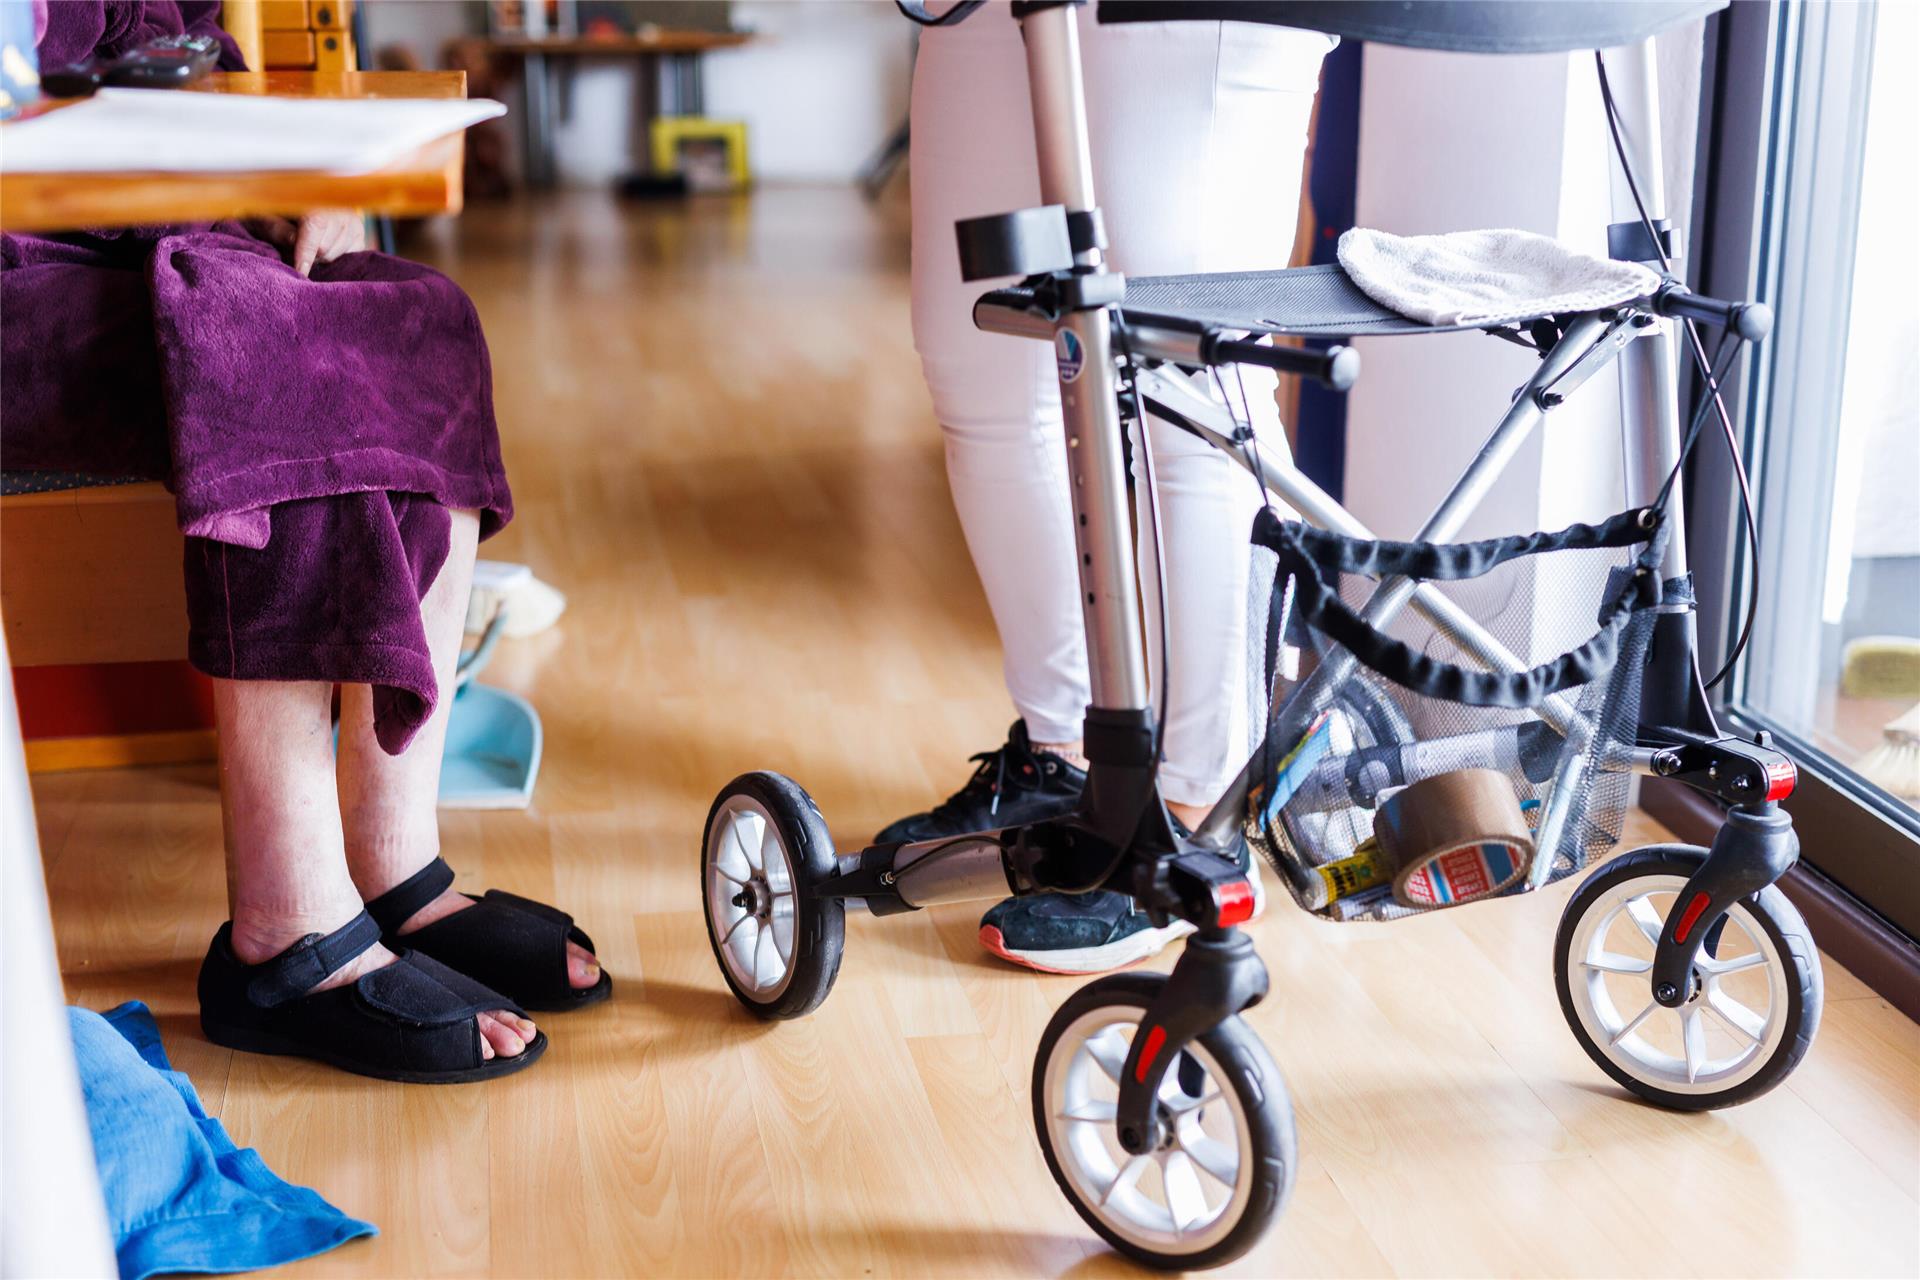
1198 133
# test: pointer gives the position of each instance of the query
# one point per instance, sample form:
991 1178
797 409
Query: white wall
821 89
821 86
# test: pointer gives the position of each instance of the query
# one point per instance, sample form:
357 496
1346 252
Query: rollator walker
1682 971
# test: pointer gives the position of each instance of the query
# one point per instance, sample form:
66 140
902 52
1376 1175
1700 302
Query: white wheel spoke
1185 1103
782 930
748 849
745 948
1693 1034
1092 1111
1648 919
1128 1177
1634 1023
1613 962
1108 1049
729 875
773 860
1734 1016
759 944
1186 1202
1721 968
1173 1094
1215 1158
735 928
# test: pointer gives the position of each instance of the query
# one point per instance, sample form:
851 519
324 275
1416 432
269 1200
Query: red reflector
1233 903
1690 917
1156 1037
1781 776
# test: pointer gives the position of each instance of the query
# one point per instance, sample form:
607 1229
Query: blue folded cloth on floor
180 1196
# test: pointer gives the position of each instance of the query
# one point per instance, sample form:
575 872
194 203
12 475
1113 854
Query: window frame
1752 210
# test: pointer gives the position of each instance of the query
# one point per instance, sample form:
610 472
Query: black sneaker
1088 932
1013 785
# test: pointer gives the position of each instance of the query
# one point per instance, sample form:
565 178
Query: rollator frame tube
1089 390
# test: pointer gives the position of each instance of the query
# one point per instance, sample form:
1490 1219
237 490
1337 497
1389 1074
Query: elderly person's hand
320 236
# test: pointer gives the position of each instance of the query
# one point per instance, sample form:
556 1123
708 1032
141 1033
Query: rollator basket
1398 770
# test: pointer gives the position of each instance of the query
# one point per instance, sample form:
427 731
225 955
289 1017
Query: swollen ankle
380 863
261 932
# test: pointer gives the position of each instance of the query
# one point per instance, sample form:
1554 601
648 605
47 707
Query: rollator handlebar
1751 321
1336 367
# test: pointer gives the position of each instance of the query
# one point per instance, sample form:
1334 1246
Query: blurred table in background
668 63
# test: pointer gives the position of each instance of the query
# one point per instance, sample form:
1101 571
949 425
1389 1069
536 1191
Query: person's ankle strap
397 905
306 964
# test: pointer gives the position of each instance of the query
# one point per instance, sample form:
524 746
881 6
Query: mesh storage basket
1357 699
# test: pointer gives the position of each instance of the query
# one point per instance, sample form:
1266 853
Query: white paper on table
171 131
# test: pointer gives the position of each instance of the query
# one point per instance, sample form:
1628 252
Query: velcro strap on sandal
420 990
553 915
306 964
397 905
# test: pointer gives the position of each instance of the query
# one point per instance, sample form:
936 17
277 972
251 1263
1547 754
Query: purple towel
71 30
315 432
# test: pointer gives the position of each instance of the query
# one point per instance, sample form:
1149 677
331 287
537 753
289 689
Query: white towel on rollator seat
1486 277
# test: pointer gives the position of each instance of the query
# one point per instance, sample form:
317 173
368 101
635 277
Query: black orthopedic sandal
508 942
411 1021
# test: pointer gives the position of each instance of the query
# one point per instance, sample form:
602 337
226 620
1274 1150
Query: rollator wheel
1759 986
1221 1178
766 850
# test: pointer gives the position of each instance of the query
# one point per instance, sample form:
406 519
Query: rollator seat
1458 26
1318 301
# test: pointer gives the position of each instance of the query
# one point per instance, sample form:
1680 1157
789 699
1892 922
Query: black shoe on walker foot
1014 784
510 943
413 1020
1087 932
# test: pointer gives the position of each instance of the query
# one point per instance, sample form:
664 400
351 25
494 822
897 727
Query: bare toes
500 1037
583 970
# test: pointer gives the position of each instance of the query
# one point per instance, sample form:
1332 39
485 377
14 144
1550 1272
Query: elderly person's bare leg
387 802
286 855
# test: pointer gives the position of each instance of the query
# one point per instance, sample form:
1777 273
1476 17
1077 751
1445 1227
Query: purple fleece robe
315 432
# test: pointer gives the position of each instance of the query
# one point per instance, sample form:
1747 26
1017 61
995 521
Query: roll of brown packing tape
1453 838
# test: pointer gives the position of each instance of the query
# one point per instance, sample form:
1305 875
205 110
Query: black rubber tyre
818 924
1245 1069
1769 910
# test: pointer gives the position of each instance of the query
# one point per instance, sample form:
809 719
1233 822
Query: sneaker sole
1129 950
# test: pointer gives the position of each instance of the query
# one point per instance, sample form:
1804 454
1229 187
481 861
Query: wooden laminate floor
721 451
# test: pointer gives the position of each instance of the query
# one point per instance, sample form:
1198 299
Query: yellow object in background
710 154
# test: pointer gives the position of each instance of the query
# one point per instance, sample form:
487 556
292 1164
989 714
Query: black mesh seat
1315 302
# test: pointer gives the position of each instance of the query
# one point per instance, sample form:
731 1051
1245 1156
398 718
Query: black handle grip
1751 321
1336 367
